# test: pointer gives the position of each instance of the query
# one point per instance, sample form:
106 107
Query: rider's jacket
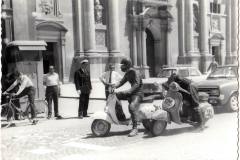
134 79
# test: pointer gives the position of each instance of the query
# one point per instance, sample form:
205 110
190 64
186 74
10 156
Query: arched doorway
216 47
53 34
150 52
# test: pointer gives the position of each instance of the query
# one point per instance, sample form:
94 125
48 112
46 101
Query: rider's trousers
134 102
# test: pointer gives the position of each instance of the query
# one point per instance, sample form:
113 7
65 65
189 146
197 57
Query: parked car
189 72
154 85
222 87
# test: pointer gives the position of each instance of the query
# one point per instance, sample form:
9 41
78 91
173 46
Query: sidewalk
69 99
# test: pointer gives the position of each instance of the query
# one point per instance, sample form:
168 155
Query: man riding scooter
134 95
190 101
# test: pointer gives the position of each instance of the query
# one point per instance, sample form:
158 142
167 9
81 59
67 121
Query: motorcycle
153 113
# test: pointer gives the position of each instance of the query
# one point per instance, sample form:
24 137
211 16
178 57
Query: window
183 72
194 72
215 7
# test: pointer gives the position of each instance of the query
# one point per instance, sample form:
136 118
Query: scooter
153 113
104 119
172 106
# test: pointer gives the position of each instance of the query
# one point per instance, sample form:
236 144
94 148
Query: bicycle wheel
7 115
41 109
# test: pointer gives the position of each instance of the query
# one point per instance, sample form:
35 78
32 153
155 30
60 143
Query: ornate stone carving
98 12
46 6
215 25
195 18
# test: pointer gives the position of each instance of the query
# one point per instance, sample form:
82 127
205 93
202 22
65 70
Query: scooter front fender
103 116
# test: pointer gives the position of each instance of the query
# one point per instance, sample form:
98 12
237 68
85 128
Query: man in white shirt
26 87
51 81
110 77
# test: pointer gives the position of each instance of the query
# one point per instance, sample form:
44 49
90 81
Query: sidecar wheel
157 127
100 128
146 124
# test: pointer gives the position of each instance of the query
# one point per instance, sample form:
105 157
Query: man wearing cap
110 77
134 95
51 81
26 87
83 86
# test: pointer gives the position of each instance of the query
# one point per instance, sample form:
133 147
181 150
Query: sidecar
155 116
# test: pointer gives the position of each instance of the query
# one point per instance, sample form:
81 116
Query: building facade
152 33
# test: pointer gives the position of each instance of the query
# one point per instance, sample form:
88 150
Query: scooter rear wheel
146 124
157 127
100 128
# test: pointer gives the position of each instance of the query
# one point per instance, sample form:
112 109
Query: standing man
26 87
213 65
110 77
134 95
83 86
51 81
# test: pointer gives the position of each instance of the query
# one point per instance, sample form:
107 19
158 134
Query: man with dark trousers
134 95
83 86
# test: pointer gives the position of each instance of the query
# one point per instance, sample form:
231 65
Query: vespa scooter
172 105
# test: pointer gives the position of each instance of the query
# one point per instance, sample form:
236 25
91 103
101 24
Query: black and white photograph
119 80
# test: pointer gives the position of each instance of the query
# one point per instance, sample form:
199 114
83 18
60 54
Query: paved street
71 139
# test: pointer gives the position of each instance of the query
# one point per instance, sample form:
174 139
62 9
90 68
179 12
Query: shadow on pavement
172 132
113 133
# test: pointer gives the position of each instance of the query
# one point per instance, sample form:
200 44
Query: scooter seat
150 99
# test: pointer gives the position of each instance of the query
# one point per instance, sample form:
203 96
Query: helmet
126 62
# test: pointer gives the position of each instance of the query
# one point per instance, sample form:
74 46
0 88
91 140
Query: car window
183 72
223 72
194 72
165 73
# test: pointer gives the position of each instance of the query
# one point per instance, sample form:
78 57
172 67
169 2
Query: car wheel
157 127
100 128
232 104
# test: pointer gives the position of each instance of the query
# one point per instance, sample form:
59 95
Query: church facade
152 33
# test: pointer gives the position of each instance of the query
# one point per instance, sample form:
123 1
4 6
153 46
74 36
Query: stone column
134 47
77 27
113 26
204 48
89 27
203 28
181 43
228 59
189 27
234 28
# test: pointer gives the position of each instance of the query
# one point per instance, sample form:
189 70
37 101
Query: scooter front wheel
100 128
157 127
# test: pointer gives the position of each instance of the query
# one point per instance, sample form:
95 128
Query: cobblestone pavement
71 139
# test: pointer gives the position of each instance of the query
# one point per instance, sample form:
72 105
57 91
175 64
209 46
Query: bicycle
8 110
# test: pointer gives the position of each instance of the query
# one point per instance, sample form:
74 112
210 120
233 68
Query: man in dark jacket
191 99
83 86
134 95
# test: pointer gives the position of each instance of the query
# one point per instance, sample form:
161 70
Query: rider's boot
133 132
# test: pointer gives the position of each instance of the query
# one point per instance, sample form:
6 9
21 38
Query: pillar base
181 60
143 71
193 59
229 59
